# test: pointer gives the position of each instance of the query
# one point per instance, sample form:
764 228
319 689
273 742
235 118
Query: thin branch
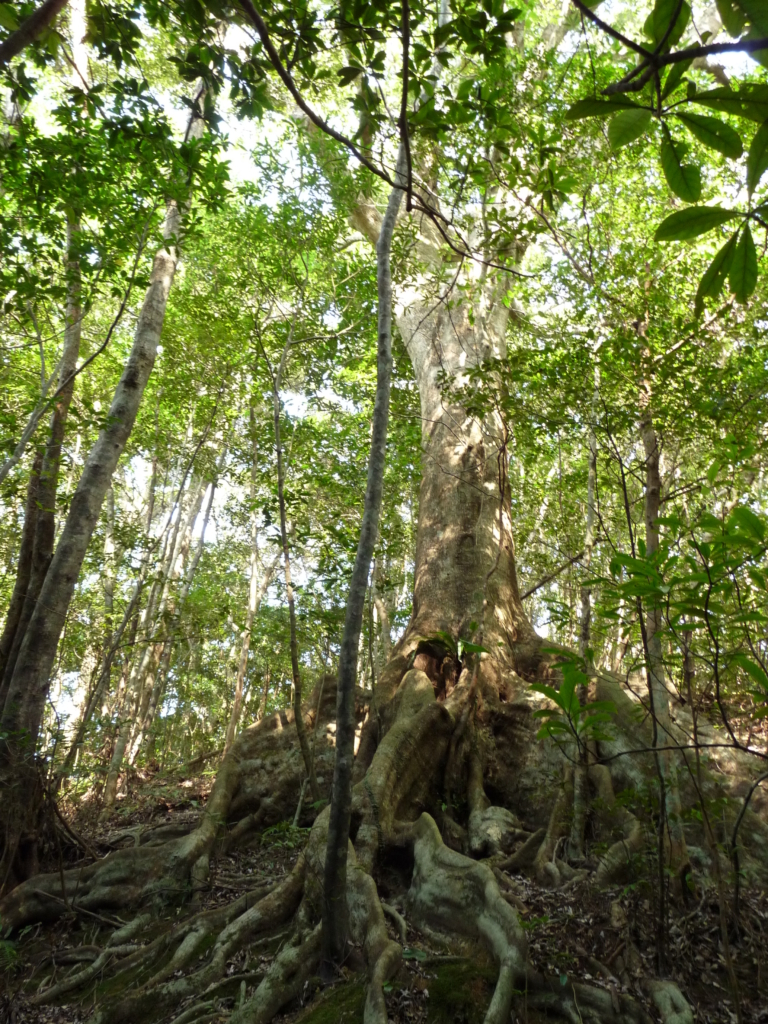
403 123
625 40
553 575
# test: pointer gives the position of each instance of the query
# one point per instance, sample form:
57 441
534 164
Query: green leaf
746 519
714 133
757 158
658 22
710 287
598 108
732 17
757 12
692 222
752 669
8 17
628 126
751 101
743 275
761 56
471 648
413 954
349 74
683 179
548 691
675 77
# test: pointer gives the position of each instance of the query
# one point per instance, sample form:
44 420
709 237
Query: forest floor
576 934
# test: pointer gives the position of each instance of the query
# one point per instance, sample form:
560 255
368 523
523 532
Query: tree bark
659 695
47 484
30 30
335 925
23 573
28 688
297 689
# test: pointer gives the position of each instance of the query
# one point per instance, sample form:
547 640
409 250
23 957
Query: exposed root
284 981
670 1002
582 1004
163 991
452 894
545 863
616 863
398 782
399 921
491 829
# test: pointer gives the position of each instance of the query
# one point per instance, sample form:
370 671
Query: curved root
450 893
618 858
285 979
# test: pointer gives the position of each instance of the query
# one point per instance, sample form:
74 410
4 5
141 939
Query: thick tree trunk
464 547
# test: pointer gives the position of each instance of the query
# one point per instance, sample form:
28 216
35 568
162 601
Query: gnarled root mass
440 864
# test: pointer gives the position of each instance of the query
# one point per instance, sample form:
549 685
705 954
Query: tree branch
30 29
605 27
403 124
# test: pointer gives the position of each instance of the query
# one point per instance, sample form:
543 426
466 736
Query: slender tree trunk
23 573
335 923
297 693
28 688
47 484
151 676
264 695
580 784
659 695
255 594
162 675
144 671
384 644
255 597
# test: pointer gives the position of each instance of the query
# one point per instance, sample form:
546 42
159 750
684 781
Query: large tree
448 765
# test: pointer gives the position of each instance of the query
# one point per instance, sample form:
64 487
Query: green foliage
285 836
572 718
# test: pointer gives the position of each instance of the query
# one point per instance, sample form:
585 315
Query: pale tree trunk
255 594
176 613
297 689
151 674
464 559
264 695
143 674
29 682
28 689
255 597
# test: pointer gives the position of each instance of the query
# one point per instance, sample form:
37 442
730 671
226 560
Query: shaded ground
577 933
